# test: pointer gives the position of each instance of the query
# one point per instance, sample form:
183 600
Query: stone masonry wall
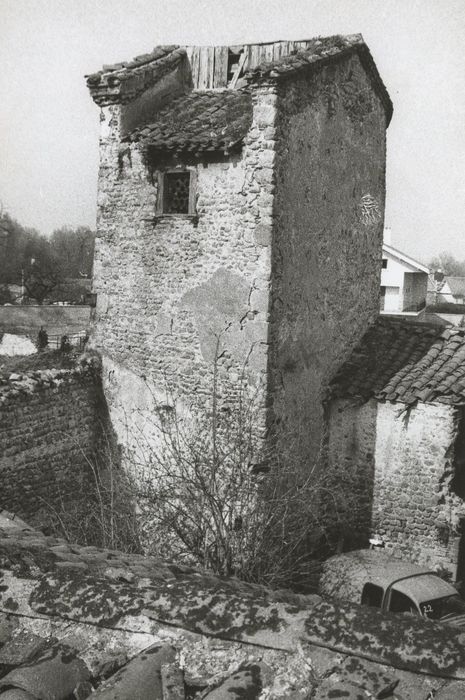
351 464
177 295
407 457
50 423
329 210
414 293
414 508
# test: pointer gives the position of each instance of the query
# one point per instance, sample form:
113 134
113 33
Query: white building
404 283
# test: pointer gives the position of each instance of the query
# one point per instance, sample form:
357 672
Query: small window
372 595
385 263
176 193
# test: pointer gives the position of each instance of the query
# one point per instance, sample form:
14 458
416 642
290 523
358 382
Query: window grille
176 193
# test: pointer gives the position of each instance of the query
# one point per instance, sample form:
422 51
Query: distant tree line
448 264
44 265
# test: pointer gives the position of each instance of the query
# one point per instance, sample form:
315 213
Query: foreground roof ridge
43 577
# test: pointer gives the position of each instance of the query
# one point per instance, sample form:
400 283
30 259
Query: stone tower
240 220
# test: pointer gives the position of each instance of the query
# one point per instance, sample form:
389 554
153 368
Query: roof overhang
418 266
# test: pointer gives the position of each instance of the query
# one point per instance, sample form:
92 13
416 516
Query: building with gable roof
397 438
404 284
240 215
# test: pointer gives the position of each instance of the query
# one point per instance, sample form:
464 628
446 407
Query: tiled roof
142 60
81 621
398 360
323 49
456 284
122 82
209 120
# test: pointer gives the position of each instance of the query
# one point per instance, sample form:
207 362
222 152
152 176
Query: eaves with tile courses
401 361
122 82
207 120
72 616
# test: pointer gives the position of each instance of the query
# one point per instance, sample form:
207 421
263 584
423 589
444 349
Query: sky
49 124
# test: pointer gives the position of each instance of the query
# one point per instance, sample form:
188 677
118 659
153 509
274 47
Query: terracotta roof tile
157 53
122 82
107 638
323 49
200 121
318 49
398 360
55 673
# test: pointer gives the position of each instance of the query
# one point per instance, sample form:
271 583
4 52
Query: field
57 320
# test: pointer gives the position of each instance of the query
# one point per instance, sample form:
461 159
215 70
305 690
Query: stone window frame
160 206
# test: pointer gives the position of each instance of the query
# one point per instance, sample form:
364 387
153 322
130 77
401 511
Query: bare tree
40 278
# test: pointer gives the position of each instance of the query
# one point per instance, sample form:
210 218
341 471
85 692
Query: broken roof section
213 67
398 360
122 82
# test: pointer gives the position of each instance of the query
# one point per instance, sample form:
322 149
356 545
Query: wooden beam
220 70
238 72
206 66
195 65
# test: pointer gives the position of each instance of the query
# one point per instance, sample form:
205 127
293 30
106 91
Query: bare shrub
213 490
211 487
98 507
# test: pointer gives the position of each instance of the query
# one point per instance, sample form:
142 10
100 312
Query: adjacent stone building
240 217
397 440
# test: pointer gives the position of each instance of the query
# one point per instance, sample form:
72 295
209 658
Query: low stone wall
51 421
